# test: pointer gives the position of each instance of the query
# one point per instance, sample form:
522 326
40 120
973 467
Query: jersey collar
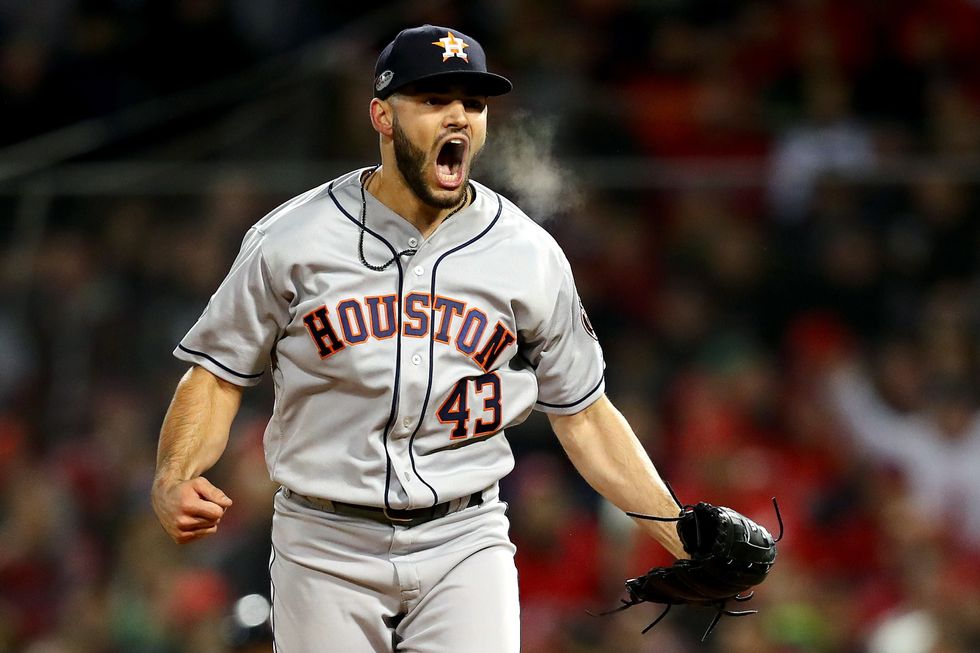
400 233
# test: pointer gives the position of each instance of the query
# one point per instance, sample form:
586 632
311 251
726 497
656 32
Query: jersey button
407 422
419 270
413 242
416 359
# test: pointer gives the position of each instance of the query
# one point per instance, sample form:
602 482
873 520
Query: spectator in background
829 140
935 446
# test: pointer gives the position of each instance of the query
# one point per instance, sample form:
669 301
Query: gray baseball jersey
394 388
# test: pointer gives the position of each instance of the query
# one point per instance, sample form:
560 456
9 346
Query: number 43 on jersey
472 408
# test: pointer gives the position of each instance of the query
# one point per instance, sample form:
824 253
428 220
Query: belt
389 516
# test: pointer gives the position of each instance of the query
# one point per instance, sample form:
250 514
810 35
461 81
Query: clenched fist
189 509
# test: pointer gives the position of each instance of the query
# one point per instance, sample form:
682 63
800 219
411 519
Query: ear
381 116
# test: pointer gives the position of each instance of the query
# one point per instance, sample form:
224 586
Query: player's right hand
189 510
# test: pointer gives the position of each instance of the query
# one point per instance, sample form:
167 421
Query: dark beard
412 164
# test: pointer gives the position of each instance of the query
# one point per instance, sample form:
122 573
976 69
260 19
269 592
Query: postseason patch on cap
383 80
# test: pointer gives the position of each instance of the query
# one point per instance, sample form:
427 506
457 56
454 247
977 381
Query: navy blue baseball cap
429 52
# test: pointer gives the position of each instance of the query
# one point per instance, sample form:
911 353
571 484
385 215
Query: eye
475 104
434 101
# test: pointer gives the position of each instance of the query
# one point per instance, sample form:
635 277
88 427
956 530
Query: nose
455 115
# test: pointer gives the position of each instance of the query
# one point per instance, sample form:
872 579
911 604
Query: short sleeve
566 355
235 335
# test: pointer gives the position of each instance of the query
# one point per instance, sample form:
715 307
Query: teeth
456 141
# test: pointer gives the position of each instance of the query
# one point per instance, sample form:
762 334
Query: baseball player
408 316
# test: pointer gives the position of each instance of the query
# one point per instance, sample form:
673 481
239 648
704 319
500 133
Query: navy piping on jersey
398 345
272 595
574 403
432 331
218 363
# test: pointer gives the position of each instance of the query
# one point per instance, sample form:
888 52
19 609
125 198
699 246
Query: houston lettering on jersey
353 322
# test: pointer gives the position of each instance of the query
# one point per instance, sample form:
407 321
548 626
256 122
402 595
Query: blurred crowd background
771 209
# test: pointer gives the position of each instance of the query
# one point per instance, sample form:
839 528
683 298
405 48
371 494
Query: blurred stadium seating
772 211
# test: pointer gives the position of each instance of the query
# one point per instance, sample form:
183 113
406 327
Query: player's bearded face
449 157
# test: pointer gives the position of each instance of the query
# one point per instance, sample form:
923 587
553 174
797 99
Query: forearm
605 451
196 427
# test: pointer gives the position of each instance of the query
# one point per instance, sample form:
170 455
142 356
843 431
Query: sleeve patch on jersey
586 322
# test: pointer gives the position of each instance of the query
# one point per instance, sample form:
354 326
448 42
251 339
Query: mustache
446 133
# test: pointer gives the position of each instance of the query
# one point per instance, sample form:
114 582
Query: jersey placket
418 359
415 377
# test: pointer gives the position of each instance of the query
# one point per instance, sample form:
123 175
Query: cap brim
479 82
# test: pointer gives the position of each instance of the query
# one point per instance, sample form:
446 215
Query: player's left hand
730 555
189 510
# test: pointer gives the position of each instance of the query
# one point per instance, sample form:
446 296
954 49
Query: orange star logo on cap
452 47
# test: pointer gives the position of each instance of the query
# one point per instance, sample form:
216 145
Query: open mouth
449 163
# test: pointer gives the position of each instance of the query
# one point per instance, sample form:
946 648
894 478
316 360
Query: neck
389 187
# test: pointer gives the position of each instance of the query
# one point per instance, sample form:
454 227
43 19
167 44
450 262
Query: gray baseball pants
349 585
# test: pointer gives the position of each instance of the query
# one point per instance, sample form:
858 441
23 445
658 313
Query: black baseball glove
730 554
